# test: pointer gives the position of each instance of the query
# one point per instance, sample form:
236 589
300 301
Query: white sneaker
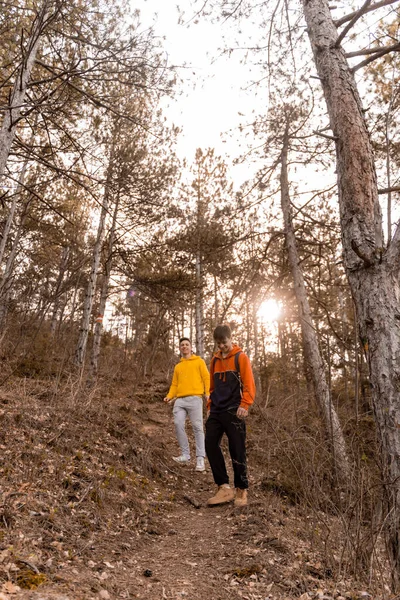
200 466
181 459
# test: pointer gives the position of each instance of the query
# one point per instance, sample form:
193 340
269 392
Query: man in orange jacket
232 392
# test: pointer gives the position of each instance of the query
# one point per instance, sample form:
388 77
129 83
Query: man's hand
242 412
167 400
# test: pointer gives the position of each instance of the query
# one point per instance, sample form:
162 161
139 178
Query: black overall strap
237 367
237 362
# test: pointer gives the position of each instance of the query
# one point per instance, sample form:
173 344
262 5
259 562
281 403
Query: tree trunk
388 167
10 218
18 93
310 340
199 312
98 328
17 194
199 307
137 323
372 271
156 329
91 288
216 301
256 336
60 278
6 277
74 303
247 308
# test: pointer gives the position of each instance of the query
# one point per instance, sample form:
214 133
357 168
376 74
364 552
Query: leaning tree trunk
373 272
312 353
18 94
17 194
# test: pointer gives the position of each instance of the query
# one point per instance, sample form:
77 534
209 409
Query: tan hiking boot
224 494
241 497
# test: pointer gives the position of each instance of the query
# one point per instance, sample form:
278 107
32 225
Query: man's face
225 345
186 348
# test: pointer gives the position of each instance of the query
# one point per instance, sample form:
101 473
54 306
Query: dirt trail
197 552
198 557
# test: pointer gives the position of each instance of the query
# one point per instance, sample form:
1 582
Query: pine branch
42 200
66 78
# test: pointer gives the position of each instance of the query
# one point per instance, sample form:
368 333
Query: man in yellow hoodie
190 382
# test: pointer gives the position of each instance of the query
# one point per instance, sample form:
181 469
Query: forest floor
93 506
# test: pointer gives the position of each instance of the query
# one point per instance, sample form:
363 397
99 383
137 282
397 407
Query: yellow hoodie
190 378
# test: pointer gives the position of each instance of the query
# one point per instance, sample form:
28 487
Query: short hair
222 332
185 339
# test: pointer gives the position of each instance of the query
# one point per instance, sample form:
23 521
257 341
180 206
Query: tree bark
373 272
310 340
18 93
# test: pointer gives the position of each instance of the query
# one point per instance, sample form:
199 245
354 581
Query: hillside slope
93 506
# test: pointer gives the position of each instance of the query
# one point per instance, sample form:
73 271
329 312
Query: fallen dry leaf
10 588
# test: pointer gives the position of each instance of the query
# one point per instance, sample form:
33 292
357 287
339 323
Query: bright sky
211 98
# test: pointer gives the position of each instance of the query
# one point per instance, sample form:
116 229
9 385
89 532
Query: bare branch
196 14
368 51
324 135
352 22
395 188
343 20
377 55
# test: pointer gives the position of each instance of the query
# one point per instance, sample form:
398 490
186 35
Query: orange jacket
230 389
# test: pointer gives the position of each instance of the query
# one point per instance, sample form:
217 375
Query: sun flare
270 310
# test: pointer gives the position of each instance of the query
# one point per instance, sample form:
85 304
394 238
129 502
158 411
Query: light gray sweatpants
192 407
